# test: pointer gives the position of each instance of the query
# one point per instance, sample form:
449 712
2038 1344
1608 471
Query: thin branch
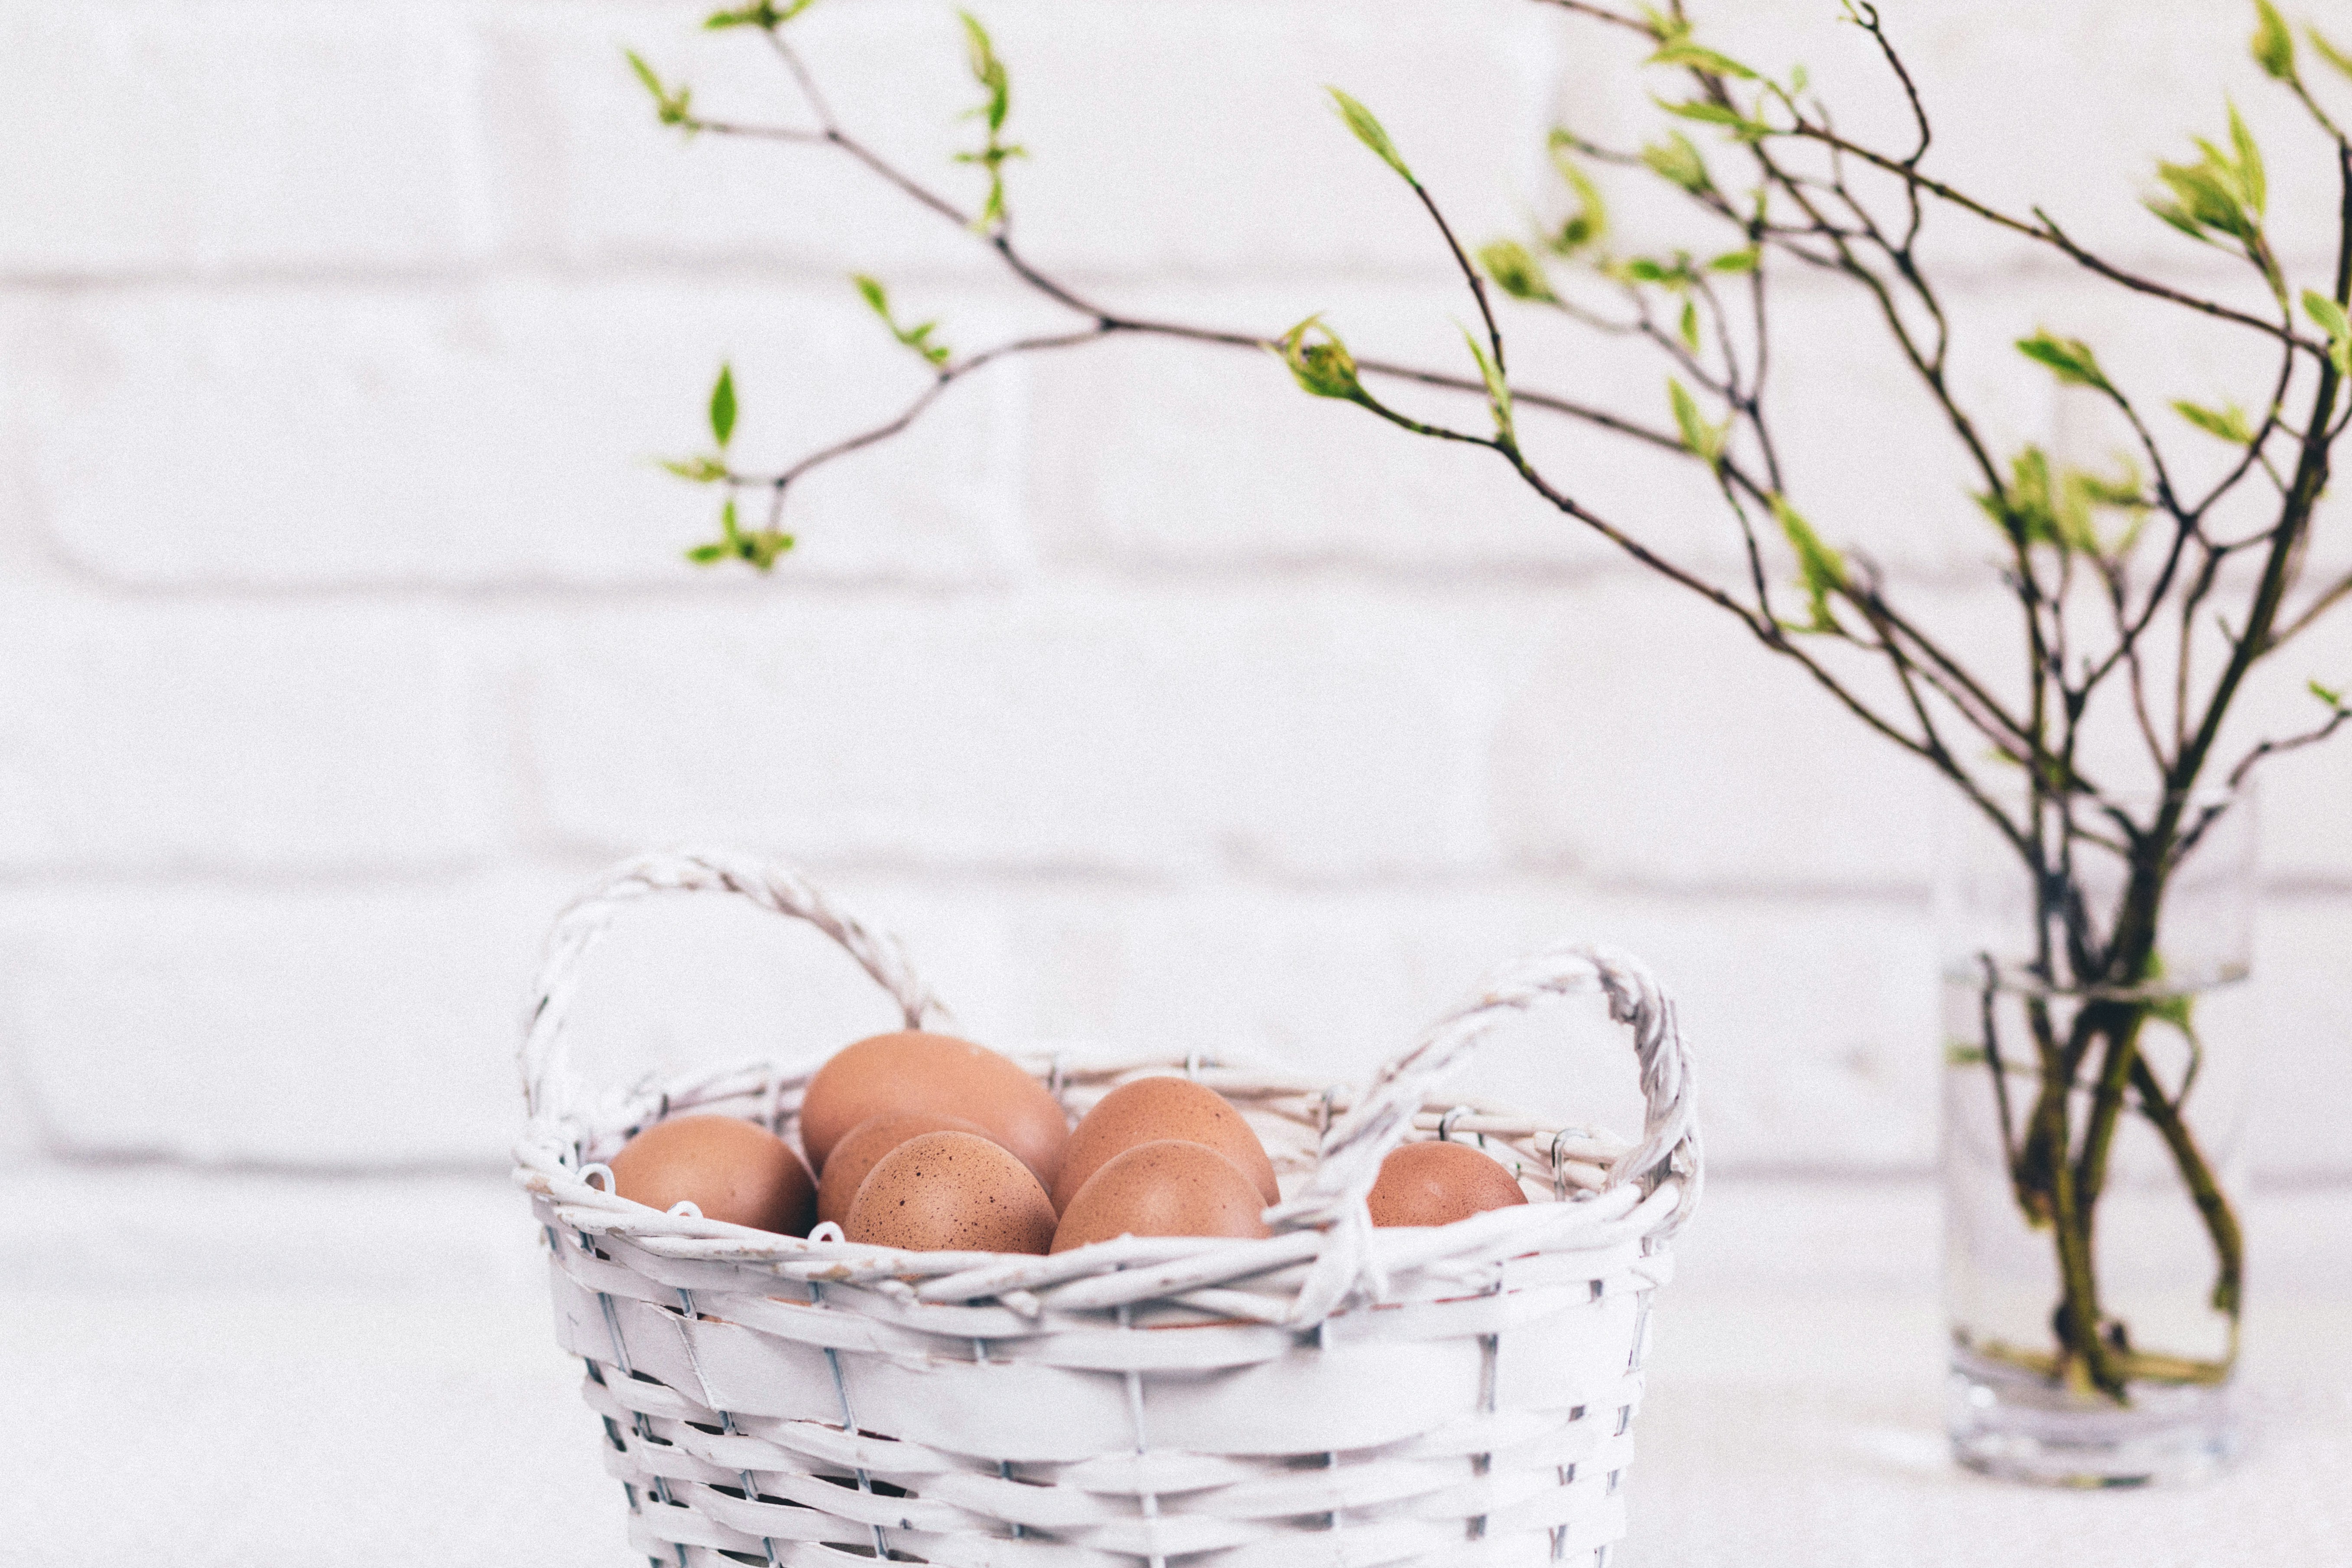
1603 14
2335 721
2043 231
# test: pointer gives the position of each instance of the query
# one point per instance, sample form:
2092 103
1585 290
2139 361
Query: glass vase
2092 1162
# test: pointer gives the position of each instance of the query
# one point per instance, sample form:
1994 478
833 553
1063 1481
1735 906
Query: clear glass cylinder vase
2097 1023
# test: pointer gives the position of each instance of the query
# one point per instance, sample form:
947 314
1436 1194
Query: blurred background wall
343 625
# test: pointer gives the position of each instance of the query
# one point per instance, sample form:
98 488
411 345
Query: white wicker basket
1336 1394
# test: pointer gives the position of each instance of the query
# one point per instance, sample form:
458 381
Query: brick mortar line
969 878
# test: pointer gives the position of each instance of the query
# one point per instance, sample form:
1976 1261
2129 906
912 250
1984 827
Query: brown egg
1168 1188
1439 1183
916 1071
862 1147
1149 1110
730 1170
951 1192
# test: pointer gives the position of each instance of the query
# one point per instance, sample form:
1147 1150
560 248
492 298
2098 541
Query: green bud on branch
766 15
1322 367
1703 440
1664 26
1498 392
1707 113
695 471
1517 272
760 548
2222 192
671 107
988 71
1821 568
1674 274
2228 423
2274 46
1589 221
2070 358
2330 317
1676 159
1684 53
918 338
1371 133
979 53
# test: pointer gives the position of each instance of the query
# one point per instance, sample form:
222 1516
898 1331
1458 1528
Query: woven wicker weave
1334 1394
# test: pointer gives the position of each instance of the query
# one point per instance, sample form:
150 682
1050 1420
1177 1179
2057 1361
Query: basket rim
1646 1192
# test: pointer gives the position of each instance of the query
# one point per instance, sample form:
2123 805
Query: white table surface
207 1370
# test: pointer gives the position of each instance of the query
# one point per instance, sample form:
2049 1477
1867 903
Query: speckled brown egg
862 1147
913 1070
1439 1183
951 1192
1149 1110
1166 1188
730 1170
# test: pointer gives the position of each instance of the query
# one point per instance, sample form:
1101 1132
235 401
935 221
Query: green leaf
918 338
1322 366
1370 131
766 14
2179 1011
2206 197
1674 274
1689 326
670 108
2126 492
980 52
1702 440
1676 161
1707 113
759 549
2274 46
1517 272
1589 220
2252 186
2173 212
763 548
988 71
1498 392
1822 568
1664 25
723 407
2331 319
2328 695
2071 512
2069 358
1681 53
1798 80
2228 423
2028 515
2329 52
1736 261
700 471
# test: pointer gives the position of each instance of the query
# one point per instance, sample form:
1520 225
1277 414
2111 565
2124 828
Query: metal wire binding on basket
1337 1394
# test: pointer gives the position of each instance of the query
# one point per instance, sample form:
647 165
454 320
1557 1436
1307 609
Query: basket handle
549 1090
1357 1142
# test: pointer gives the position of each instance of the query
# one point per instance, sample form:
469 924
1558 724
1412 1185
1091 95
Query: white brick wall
342 627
